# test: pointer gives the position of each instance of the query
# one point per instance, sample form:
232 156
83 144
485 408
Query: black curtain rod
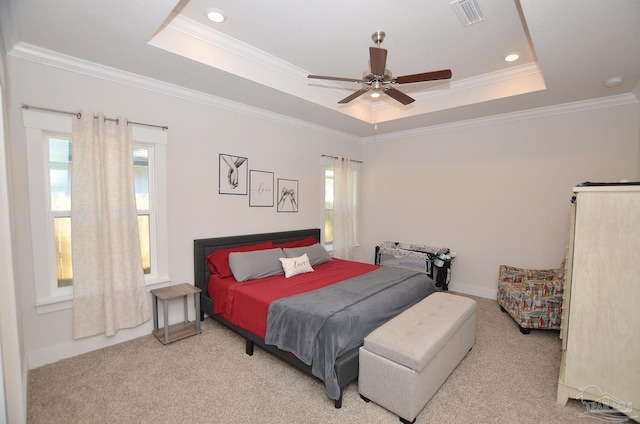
335 157
78 115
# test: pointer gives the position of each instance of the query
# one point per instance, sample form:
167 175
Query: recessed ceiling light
216 15
512 57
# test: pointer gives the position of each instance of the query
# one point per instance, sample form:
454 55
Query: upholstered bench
405 361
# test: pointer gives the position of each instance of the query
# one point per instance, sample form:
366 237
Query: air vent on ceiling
468 11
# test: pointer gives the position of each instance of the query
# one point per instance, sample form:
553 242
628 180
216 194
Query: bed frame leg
249 347
338 402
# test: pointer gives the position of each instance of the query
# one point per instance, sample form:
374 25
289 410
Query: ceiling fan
380 80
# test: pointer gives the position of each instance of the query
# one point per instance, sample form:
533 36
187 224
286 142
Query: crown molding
218 39
69 63
603 102
460 87
49 58
190 38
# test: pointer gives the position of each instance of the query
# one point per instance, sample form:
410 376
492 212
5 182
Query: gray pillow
317 254
255 264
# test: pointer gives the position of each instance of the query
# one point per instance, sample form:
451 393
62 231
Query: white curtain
344 208
108 281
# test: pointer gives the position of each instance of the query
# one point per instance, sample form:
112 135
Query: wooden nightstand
171 333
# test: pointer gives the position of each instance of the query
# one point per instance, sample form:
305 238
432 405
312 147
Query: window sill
61 303
157 283
54 304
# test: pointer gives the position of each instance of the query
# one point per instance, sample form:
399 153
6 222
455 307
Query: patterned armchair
533 297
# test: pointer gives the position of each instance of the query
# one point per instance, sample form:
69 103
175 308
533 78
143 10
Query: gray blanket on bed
321 325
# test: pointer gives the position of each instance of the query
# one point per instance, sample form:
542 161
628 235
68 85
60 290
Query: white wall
13 365
494 193
197 134
638 117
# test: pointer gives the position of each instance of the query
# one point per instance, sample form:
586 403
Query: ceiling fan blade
378 59
426 76
334 78
399 96
354 95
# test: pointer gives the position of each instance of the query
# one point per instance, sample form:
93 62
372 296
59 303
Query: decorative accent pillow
316 253
295 266
256 264
218 261
298 243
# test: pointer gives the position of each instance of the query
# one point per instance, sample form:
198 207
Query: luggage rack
434 261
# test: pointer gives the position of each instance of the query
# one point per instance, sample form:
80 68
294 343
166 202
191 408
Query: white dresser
601 317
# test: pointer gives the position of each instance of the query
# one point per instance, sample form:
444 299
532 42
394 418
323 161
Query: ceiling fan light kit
379 79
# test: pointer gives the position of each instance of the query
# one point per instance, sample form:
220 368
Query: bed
332 353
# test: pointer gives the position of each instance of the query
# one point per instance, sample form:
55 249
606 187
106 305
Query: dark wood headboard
204 247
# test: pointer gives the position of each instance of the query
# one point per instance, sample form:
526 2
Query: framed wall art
287 195
233 178
260 188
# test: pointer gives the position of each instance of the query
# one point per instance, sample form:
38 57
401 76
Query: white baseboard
78 347
473 290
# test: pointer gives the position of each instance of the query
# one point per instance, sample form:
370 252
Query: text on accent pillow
295 266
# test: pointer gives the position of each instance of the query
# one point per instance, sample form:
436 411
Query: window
328 208
328 173
60 160
49 142
60 216
144 201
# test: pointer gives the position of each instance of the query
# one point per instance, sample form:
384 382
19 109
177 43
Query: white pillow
295 266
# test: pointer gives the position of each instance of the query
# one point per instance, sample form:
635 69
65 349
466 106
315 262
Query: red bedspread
246 304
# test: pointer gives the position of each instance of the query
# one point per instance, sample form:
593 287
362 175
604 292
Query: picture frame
233 174
287 195
260 188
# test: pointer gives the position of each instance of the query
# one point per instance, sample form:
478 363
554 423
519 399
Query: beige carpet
506 378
